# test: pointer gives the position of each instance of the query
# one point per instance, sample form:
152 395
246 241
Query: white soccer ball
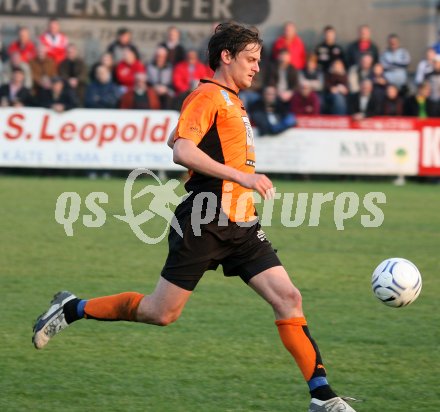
396 282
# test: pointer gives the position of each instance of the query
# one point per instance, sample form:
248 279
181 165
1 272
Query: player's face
245 66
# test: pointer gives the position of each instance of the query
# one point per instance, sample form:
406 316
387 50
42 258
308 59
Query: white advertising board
93 139
128 139
348 151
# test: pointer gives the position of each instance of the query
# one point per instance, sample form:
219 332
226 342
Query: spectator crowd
358 80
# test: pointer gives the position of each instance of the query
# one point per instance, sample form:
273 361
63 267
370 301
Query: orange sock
116 307
297 340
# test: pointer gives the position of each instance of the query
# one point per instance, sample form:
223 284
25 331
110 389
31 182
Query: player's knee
289 300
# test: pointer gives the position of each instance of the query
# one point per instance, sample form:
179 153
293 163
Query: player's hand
261 183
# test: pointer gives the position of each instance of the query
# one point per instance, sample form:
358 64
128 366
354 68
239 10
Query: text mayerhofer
161 10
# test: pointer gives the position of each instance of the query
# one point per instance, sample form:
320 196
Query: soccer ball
396 282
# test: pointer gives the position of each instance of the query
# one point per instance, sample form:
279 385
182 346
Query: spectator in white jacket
395 60
425 66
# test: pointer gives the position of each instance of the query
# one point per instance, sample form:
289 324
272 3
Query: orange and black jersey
214 118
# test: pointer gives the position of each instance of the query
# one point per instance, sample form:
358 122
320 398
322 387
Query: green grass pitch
224 353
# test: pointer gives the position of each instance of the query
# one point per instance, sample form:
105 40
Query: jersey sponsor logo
249 131
196 130
226 97
261 235
250 148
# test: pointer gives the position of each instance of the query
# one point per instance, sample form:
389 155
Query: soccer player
214 140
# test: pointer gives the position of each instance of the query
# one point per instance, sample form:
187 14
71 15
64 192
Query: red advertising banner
429 154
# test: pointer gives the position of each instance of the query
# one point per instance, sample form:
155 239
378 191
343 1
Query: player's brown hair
233 37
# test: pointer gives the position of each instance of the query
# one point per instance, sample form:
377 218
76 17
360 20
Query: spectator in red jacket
141 96
291 41
187 74
127 68
55 41
306 101
23 45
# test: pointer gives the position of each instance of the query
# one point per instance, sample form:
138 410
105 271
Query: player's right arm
187 154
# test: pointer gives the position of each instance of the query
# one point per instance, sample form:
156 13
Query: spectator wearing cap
43 68
15 93
291 41
127 68
15 62
395 61
306 101
425 66
160 76
55 41
74 71
176 51
420 104
58 98
23 45
187 74
141 96
283 76
102 93
328 50
123 40
363 44
359 72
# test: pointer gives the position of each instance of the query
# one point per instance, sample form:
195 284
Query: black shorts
242 250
